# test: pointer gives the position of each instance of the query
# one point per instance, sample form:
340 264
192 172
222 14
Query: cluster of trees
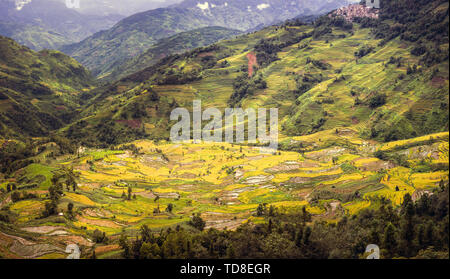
244 86
14 156
327 22
417 21
173 77
64 178
416 229
266 52
267 49
363 51
306 82
377 100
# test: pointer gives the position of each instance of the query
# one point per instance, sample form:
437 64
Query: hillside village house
373 4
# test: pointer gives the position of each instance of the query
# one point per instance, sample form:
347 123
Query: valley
363 139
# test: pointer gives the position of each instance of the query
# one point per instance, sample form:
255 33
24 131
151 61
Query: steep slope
178 43
135 34
329 75
38 90
49 23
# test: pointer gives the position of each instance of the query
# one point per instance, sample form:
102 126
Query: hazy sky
125 7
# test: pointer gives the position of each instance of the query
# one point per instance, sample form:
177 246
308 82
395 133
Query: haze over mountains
122 7
49 24
135 34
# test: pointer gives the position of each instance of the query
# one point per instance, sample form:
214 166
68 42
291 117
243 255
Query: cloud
262 6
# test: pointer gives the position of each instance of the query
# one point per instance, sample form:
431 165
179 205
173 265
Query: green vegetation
419 230
38 90
363 146
178 43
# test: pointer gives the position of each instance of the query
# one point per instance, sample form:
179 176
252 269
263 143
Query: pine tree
390 241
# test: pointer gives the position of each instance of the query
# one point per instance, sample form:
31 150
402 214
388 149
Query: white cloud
204 6
262 6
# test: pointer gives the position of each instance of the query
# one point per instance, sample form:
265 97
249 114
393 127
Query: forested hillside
39 91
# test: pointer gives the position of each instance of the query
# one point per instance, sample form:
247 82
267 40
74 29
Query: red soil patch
121 88
204 54
252 61
355 120
60 108
437 81
135 123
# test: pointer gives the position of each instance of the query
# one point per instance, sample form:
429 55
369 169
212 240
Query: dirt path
5 202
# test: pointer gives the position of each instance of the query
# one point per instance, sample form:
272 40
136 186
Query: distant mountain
387 83
38 90
41 24
135 34
178 43
126 8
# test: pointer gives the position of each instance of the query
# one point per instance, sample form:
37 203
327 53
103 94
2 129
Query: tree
260 210
99 236
169 208
15 196
51 208
125 245
306 216
299 238
390 241
129 193
70 209
307 235
93 257
377 101
150 251
197 222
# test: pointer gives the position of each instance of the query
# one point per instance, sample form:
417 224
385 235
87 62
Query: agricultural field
362 157
224 183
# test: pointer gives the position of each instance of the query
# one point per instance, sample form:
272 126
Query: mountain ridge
135 34
49 23
38 90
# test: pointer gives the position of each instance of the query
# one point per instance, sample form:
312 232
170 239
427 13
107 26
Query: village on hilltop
370 10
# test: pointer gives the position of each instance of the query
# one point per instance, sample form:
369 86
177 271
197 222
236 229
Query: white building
373 4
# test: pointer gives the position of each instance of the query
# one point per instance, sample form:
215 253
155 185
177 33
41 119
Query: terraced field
363 121
224 183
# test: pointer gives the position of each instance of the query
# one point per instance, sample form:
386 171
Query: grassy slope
135 34
38 89
178 43
416 104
